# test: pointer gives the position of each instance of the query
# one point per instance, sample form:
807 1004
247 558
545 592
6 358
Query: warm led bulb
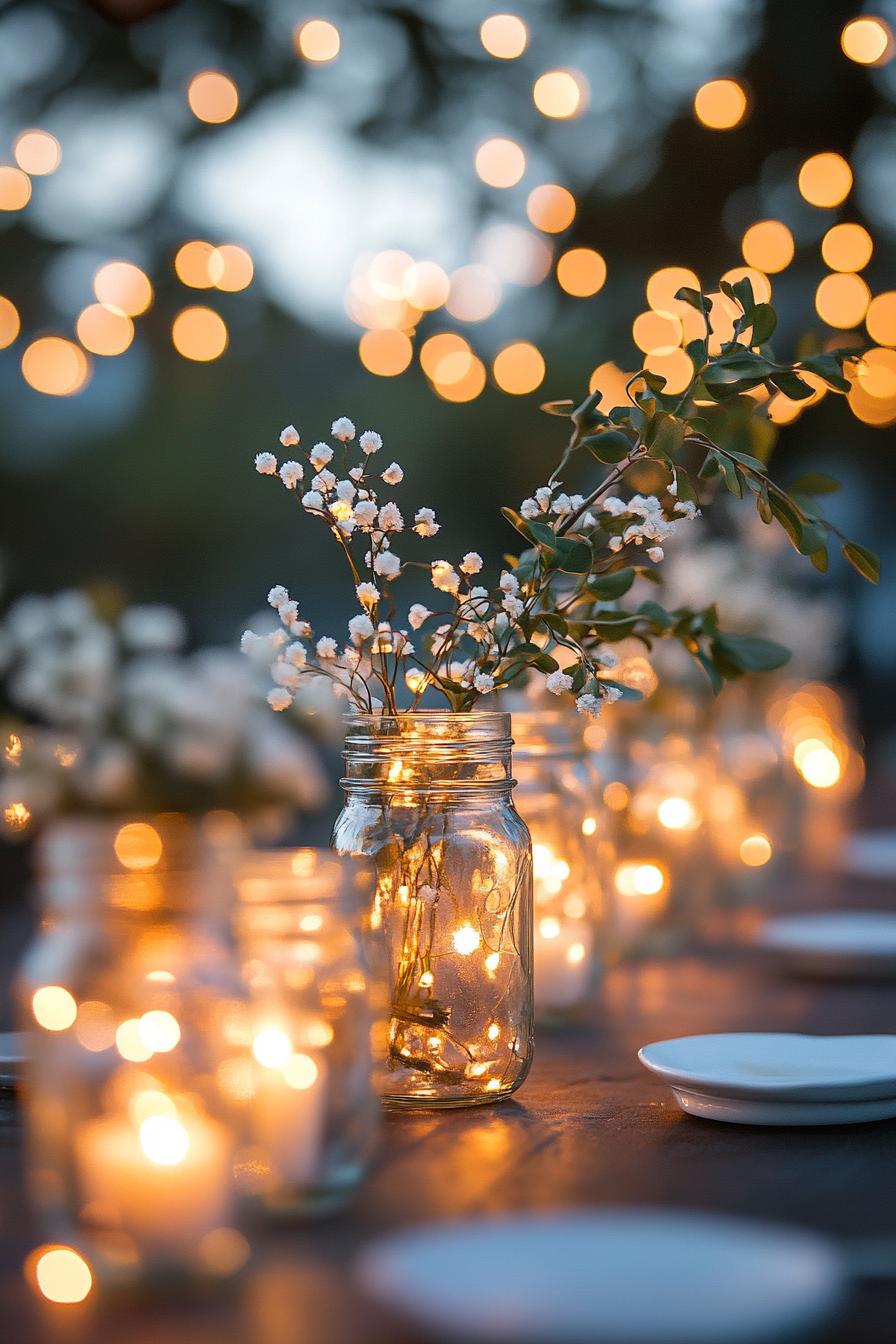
164 1140
272 1048
466 940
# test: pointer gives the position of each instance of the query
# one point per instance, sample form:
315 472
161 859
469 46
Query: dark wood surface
589 1127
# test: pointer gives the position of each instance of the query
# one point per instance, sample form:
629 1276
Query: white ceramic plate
737 1111
612 1276
778 1066
870 854
854 943
13 1055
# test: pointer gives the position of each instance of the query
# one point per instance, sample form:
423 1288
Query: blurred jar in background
557 794
135 1013
312 1111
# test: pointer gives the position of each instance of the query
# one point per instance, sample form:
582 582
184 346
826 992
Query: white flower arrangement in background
110 715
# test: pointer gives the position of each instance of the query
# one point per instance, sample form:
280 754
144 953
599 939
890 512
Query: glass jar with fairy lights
558 795
138 1030
428 798
311 1110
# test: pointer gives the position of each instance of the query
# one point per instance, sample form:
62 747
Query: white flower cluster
475 632
641 519
120 717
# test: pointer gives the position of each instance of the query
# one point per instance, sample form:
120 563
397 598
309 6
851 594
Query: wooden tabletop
589 1127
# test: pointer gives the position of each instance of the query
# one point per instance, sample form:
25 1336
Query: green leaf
792 386
610 586
763 320
813 483
746 460
556 624
609 447
819 559
711 671
828 367
702 302
666 435
573 557
562 408
734 482
763 507
541 534
684 488
863 560
813 537
709 468
789 518
750 653
519 523
660 617
696 350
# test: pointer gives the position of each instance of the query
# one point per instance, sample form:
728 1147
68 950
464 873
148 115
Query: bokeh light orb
192 263
500 162
847 247
199 334
385 352
121 284
551 208
581 272
720 104
104 330
880 319
55 366
867 40
15 188
213 97
825 180
62 1275
768 245
519 368
560 94
842 300
504 36
10 322
230 268
317 40
37 152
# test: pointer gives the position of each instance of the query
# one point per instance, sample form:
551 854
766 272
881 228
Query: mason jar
138 1028
428 797
313 1114
558 795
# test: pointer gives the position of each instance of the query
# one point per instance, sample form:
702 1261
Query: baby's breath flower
513 606
277 596
425 524
614 506
686 508
351 657
356 473
655 553
342 429
370 441
543 497
390 519
483 683
288 611
558 682
509 583
607 659
445 576
360 627
250 642
313 501
387 565
291 473
589 705
471 563
611 694
672 487
301 629
529 508
368 594
562 506
615 544
477 603
418 614
320 455
279 698
266 464
365 513
289 436
296 655
346 491
326 647
285 675
324 481
393 475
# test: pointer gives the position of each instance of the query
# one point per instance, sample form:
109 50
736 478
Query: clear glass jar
428 798
313 1113
558 796
137 1025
